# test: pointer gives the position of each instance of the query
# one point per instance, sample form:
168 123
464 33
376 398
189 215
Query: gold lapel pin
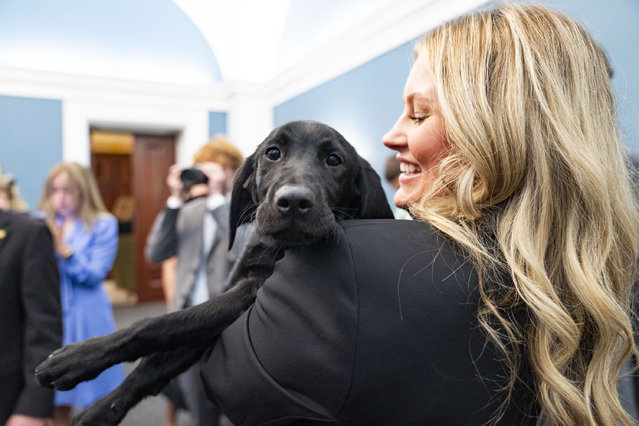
3 234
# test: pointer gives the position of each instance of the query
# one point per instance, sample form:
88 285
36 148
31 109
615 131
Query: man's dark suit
30 314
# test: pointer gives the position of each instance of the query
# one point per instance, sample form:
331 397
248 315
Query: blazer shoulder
386 243
22 223
402 232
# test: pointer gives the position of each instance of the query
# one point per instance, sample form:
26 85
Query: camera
192 176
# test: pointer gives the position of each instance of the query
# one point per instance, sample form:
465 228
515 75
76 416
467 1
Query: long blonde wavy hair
536 184
91 204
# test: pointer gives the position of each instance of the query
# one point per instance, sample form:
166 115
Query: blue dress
86 307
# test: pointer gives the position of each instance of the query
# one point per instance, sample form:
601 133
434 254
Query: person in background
509 294
175 399
85 238
392 172
31 326
10 198
197 233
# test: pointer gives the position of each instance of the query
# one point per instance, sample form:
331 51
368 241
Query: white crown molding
67 87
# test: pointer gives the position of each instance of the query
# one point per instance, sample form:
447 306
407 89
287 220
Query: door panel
152 156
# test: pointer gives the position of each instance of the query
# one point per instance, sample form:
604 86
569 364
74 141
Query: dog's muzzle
294 200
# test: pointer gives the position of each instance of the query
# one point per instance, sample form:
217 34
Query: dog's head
302 178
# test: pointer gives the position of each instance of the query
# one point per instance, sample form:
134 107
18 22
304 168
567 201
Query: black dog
302 178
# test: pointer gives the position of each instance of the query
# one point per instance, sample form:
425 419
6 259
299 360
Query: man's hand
173 181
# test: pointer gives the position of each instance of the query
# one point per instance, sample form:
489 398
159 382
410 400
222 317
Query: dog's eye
333 160
273 153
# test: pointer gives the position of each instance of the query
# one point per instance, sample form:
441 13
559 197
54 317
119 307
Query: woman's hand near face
60 246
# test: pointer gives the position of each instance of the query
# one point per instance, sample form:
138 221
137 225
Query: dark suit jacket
375 327
31 320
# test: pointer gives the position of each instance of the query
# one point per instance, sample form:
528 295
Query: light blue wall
217 123
30 142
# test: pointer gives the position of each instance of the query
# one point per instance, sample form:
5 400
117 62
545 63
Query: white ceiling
253 40
195 42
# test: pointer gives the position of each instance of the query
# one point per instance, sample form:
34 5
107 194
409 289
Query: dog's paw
52 371
70 365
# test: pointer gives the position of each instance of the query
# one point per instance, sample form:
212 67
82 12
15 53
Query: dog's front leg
257 261
77 362
74 363
81 361
148 378
204 323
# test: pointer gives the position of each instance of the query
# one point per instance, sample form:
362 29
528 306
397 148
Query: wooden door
113 176
152 156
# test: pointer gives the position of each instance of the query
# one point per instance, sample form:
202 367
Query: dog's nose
294 200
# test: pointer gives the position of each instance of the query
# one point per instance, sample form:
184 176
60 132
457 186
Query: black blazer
30 314
376 327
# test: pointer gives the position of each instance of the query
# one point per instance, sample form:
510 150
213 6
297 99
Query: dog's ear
373 202
243 197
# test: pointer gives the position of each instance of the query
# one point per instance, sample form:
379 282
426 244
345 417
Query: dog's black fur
301 179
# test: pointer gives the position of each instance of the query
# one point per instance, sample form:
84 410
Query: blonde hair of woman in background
91 204
535 184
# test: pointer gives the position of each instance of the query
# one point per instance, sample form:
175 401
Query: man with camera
194 227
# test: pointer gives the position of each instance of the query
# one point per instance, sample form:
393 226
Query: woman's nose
394 138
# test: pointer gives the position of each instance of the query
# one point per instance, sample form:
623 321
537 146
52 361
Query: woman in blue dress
85 238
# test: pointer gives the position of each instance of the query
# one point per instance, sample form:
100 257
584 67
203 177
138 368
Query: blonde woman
510 292
85 238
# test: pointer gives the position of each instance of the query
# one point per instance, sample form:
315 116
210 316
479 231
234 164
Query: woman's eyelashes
418 118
